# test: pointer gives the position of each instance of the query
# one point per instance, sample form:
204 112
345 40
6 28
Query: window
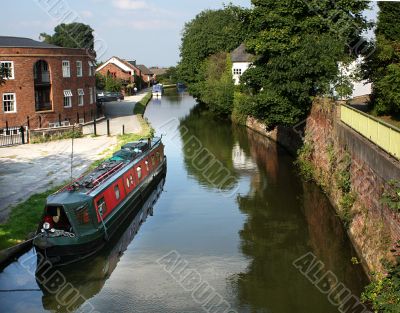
67 98
147 165
81 93
117 193
79 68
237 71
139 172
153 160
91 67
131 179
9 103
128 183
7 69
66 69
101 206
91 95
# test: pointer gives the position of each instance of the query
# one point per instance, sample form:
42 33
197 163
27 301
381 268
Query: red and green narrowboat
81 217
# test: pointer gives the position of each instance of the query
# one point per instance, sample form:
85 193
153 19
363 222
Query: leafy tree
210 32
100 81
298 45
73 35
216 89
383 67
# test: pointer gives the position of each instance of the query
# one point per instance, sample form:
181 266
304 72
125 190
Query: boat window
116 190
101 206
158 156
153 160
139 172
147 165
82 214
131 179
128 183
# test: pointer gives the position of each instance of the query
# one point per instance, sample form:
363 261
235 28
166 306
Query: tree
383 66
298 45
210 32
216 88
73 35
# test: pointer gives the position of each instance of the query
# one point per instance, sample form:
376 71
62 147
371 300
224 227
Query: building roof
121 63
240 54
144 69
158 70
20 42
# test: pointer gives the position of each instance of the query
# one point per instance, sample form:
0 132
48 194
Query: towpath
34 168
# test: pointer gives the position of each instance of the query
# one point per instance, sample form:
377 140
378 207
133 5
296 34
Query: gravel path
29 169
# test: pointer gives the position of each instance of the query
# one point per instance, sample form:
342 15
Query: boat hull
64 250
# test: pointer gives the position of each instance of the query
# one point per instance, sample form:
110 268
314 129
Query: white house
360 87
241 61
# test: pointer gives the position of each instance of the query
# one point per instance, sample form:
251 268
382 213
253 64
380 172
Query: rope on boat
15 290
105 228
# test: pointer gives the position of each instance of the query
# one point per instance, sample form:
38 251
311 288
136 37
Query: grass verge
140 107
23 219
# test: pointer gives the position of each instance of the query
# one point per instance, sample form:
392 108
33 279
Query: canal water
222 233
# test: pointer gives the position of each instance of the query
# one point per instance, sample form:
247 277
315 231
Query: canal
222 233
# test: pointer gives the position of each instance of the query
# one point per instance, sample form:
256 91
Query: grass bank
24 217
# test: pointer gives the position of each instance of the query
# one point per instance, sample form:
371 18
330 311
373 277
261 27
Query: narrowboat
82 216
90 276
158 90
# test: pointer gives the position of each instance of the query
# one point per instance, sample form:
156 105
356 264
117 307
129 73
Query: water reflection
286 219
88 277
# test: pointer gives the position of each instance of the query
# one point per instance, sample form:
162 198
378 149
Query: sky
148 31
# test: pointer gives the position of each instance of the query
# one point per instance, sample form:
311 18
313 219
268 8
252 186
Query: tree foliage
210 32
383 66
216 87
73 35
298 45
108 83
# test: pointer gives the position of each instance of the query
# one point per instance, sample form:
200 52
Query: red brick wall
113 69
23 85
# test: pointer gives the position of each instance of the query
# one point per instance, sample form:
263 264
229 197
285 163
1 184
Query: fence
10 136
384 135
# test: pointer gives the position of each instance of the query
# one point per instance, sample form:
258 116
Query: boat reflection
68 288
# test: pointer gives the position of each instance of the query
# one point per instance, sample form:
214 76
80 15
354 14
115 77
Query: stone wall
337 154
353 172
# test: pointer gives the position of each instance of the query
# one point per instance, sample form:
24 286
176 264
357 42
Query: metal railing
10 136
382 134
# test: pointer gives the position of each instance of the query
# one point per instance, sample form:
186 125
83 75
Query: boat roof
106 170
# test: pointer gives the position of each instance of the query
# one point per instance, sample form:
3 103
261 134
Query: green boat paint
82 216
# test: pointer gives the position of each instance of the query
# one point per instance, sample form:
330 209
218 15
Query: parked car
107 96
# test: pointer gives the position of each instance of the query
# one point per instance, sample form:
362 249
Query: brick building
128 71
46 85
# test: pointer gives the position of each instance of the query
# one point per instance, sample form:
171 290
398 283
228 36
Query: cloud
142 24
130 4
86 14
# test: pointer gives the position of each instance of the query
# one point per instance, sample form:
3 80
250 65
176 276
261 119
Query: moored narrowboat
158 90
81 217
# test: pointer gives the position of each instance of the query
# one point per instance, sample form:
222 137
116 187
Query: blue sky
146 30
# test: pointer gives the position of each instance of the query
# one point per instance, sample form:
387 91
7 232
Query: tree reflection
207 149
285 220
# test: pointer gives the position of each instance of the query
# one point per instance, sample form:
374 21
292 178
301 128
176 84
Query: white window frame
91 98
66 68
12 69
81 99
14 102
79 69
68 95
91 68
